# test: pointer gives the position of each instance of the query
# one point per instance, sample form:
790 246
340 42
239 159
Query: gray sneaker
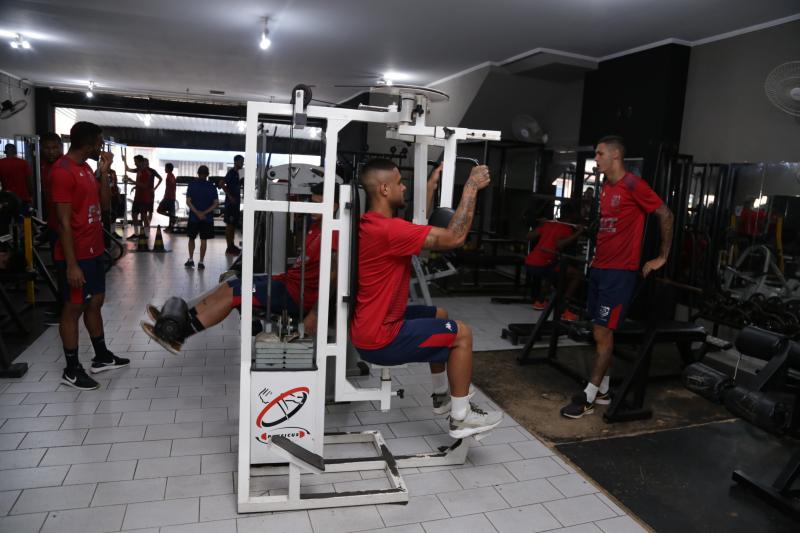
476 421
441 402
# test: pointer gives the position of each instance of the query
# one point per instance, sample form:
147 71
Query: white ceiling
169 46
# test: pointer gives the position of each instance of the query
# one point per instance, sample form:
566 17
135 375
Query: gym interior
604 200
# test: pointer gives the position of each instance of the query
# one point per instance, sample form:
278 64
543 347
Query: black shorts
231 215
94 273
167 206
140 208
200 227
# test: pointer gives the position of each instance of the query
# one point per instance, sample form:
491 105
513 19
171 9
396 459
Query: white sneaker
476 421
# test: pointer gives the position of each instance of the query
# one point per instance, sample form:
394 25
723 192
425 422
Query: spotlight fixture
90 92
20 42
241 125
265 41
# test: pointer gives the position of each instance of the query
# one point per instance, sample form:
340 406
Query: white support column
420 183
248 238
448 172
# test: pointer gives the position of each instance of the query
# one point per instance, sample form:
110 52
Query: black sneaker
579 407
602 398
171 346
441 402
153 312
189 264
111 363
201 266
233 250
77 378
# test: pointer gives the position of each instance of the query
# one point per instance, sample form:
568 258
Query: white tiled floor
155 447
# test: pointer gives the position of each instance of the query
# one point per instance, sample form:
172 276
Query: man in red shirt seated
78 196
15 174
283 295
541 262
384 329
167 206
625 202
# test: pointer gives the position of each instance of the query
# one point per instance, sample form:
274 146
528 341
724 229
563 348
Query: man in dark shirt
202 200
231 184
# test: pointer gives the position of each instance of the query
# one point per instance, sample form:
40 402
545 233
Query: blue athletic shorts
280 299
609 295
94 273
423 338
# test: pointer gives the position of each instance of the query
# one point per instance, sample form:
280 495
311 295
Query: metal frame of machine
291 391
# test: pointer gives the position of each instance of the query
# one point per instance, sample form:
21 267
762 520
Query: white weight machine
282 387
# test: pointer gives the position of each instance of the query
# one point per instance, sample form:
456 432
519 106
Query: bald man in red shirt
625 202
385 329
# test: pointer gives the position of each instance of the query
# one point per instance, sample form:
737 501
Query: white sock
604 384
591 392
439 382
459 407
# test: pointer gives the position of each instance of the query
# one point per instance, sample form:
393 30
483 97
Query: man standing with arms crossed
78 198
625 202
385 330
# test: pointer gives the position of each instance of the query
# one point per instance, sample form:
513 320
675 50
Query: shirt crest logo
615 200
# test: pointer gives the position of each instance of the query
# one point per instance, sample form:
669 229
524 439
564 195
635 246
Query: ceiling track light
90 91
265 42
20 42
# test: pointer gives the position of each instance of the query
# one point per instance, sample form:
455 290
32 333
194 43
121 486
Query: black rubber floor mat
679 480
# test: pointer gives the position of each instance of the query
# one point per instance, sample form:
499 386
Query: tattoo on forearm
462 218
666 222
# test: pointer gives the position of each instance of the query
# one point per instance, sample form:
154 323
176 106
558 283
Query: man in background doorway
231 184
202 200
167 205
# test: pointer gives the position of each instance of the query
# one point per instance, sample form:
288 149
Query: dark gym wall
556 106
639 96
728 117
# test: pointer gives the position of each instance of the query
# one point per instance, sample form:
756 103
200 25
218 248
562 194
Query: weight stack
707 382
771 412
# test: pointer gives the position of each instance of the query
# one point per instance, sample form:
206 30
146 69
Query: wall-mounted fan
526 129
9 108
783 87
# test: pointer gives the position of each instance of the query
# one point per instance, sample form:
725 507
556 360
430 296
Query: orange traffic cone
141 243
158 245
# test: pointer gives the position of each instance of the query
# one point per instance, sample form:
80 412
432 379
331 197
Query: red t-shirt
144 186
549 234
14 174
623 208
385 247
293 276
76 185
169 191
